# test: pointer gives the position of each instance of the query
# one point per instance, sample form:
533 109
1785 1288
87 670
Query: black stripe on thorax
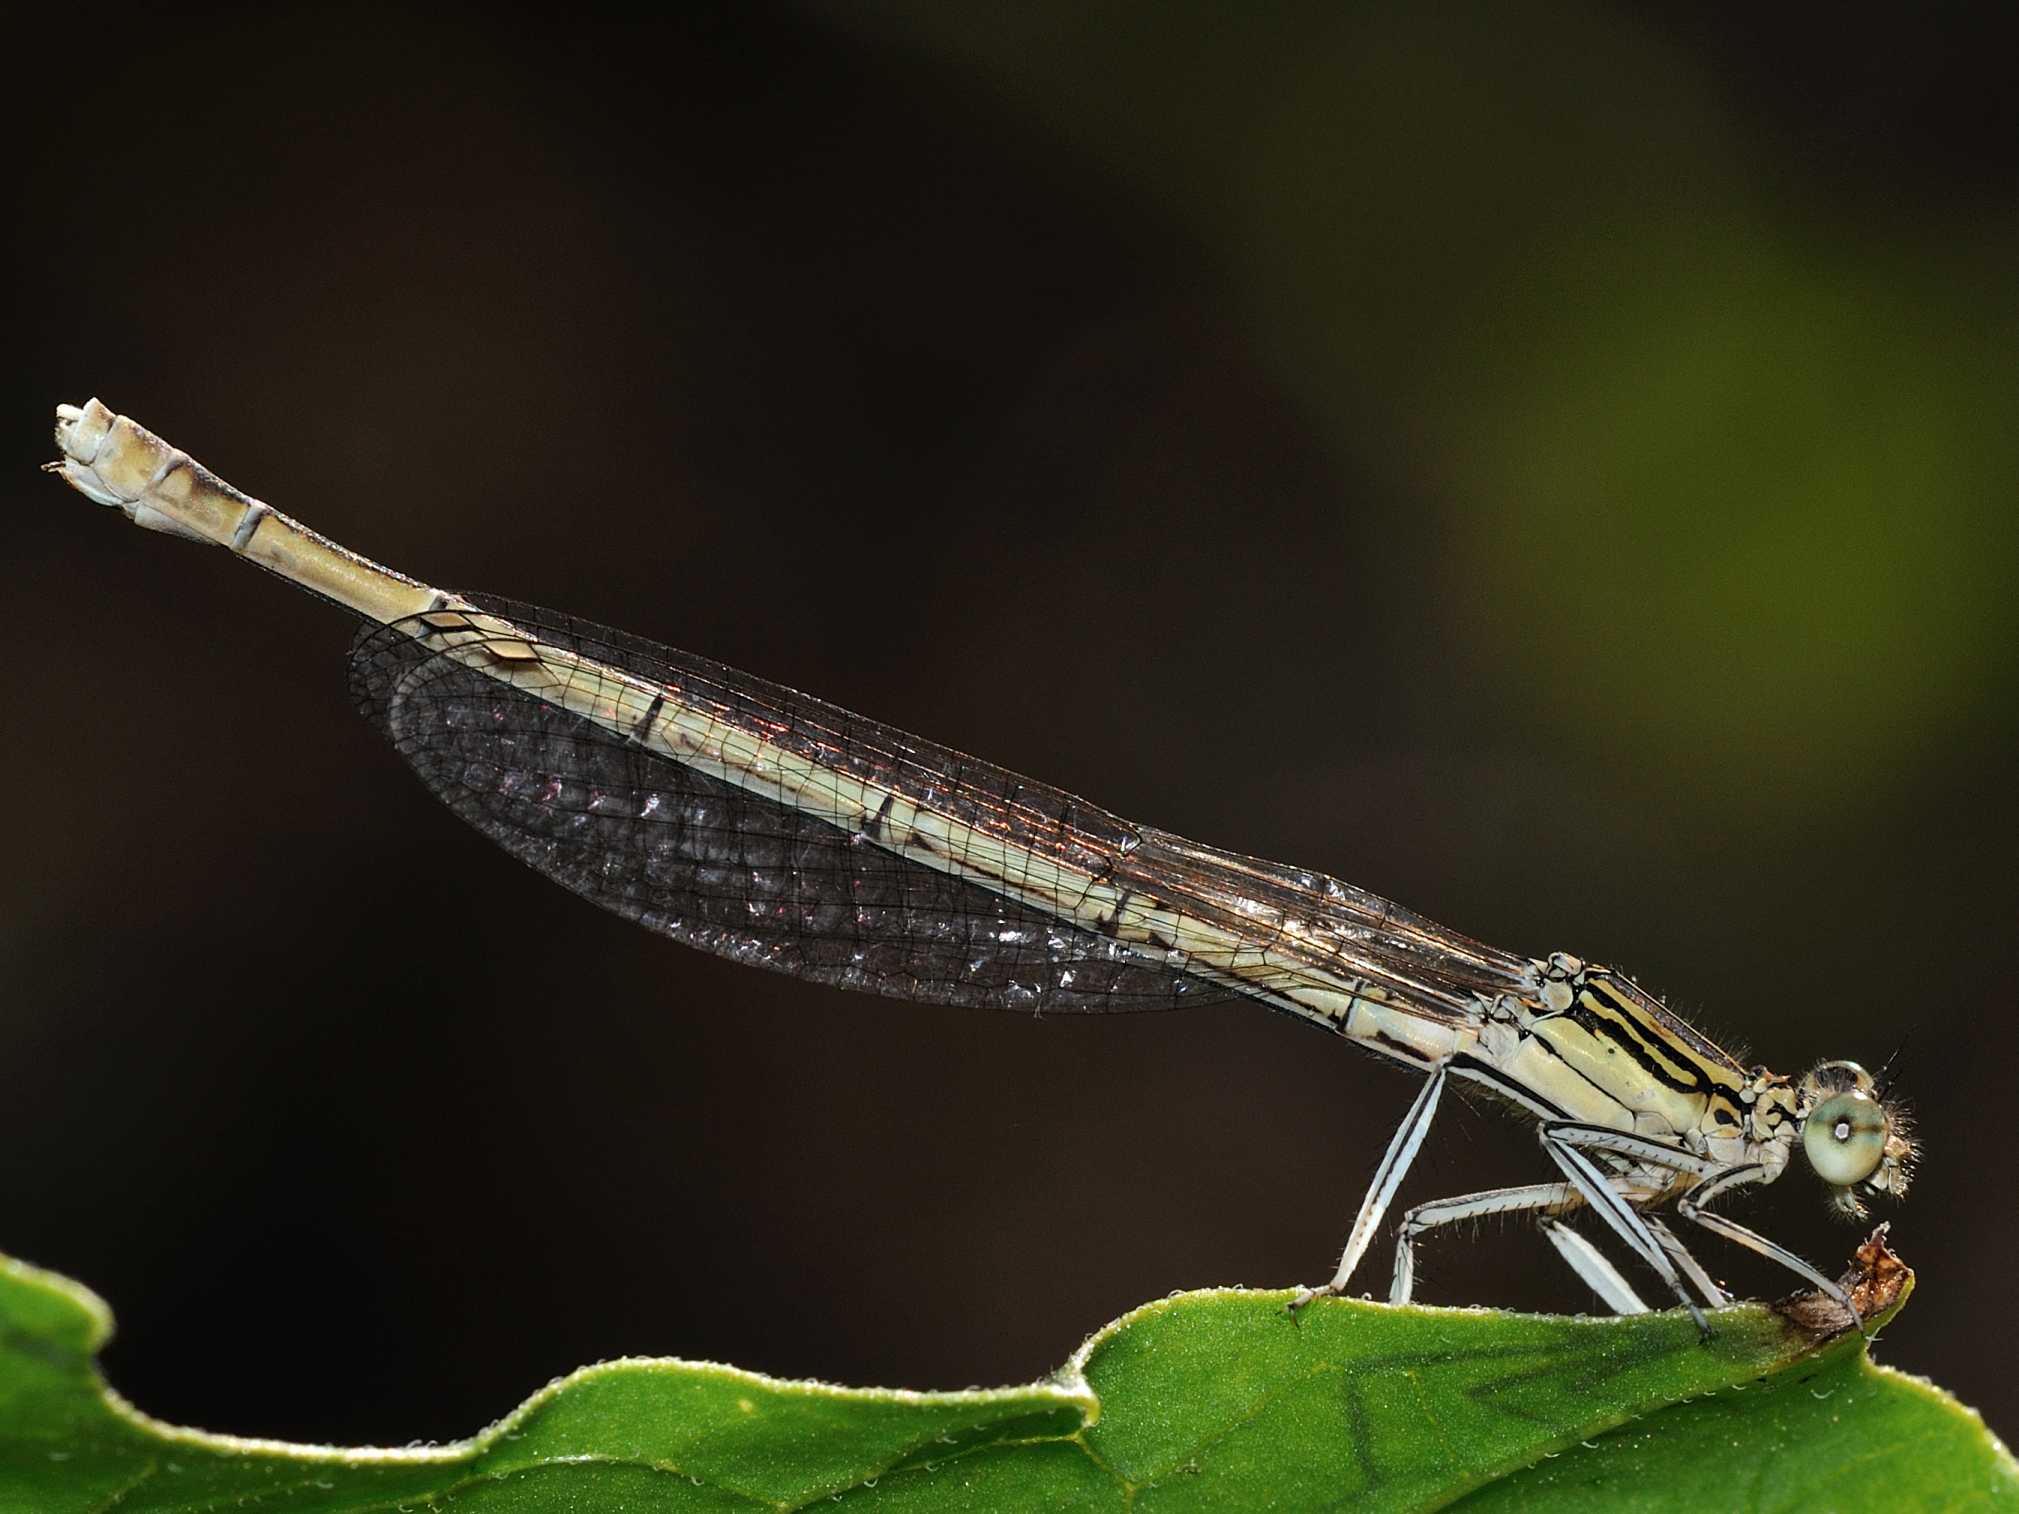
1603 1012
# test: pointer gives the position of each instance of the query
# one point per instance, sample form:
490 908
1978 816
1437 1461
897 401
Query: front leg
1691 1207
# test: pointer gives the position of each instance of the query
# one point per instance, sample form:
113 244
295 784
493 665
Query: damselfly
759 823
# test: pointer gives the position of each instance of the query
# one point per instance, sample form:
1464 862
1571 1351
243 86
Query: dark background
1558 472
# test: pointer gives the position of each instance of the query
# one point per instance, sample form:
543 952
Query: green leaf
1212 1400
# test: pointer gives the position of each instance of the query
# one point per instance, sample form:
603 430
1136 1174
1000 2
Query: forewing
805 888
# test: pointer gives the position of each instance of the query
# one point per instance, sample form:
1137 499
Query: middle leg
1527 1199
1570 1145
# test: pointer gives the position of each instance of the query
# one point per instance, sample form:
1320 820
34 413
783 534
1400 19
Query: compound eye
1844 1138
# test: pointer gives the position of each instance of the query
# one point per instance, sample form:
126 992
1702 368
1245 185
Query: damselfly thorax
762 824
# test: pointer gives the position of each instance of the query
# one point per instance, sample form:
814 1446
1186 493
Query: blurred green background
1554 467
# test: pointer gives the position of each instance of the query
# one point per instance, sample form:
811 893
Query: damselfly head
1856 1140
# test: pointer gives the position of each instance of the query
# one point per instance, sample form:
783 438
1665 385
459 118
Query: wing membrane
815 886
